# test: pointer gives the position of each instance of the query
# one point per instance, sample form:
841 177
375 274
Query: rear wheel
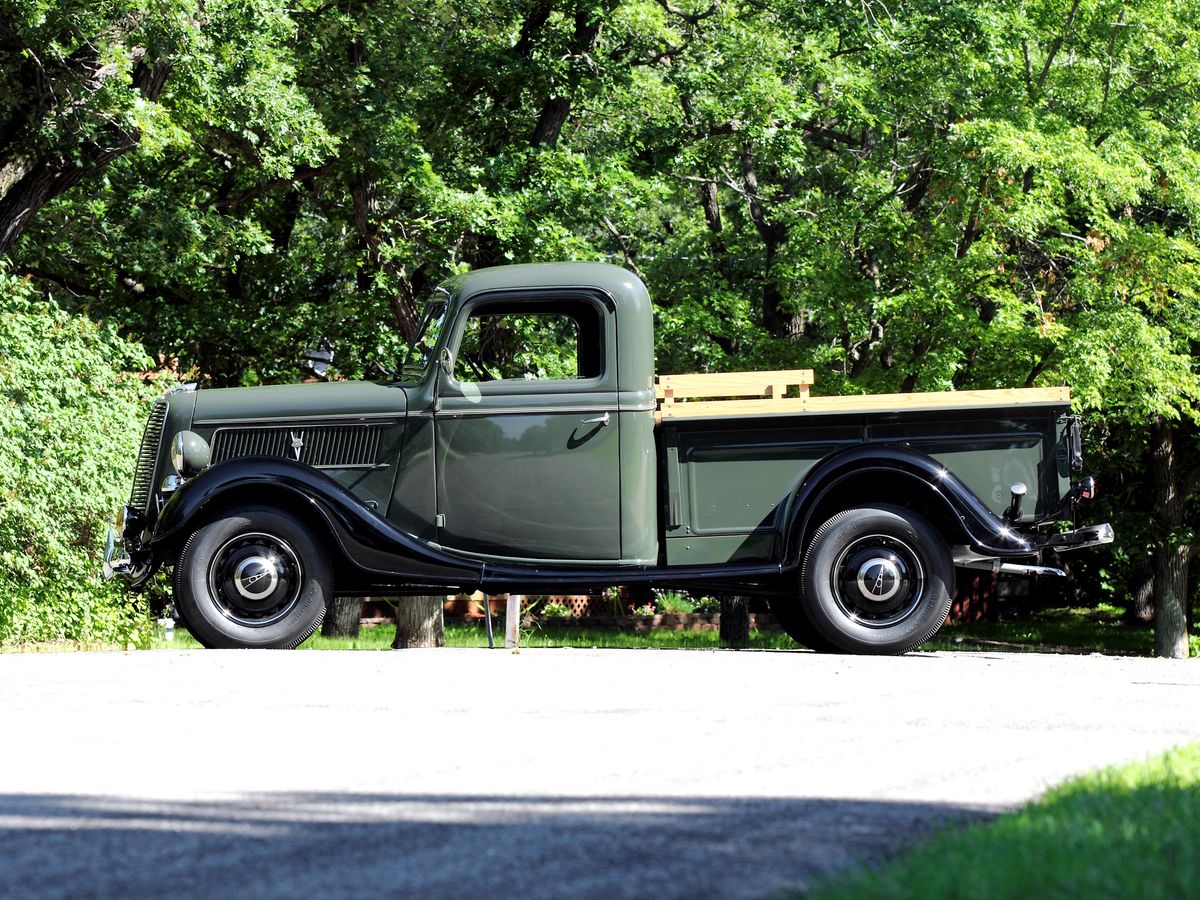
252 578
876 580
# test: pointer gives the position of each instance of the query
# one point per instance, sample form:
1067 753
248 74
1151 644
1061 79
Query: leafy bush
555 609
70 420
674 602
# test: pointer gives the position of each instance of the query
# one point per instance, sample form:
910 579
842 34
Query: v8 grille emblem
297 444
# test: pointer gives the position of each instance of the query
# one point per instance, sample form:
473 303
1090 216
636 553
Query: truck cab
534 420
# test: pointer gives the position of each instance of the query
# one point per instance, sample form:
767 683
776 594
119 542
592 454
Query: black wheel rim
255 579
878 581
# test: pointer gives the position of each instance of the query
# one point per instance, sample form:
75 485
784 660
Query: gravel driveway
614 773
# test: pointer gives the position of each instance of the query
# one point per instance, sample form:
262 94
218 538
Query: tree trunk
773 235
419 622
1141 600
343 617
557 108
551 121
1170 602
30 184
1174 552
735 622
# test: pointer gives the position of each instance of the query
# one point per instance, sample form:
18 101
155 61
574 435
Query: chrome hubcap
879 578
255 579
256 576
878 581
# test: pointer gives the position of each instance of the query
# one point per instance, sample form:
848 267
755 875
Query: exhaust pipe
1024 569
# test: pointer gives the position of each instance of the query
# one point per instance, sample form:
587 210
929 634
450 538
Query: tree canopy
919 195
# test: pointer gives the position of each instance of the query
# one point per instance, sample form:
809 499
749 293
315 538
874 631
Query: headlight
190 453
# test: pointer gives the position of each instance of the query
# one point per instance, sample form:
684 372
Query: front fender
981 529
366 539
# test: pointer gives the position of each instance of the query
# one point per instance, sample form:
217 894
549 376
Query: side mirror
446 361
317 360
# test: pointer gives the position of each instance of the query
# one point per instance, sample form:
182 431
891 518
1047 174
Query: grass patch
1075 630
1129 831
1063 630
380 637
65 646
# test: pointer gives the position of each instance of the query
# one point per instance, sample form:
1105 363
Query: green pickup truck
526 446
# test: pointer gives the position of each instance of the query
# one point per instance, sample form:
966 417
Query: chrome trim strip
522 410
270 421
355 466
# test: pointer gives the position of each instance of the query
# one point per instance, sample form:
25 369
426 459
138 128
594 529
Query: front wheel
252 578
876 580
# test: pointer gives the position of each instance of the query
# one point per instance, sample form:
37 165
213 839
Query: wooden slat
733 384
868 403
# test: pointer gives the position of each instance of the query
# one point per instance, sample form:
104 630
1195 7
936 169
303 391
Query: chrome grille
323 446
143 476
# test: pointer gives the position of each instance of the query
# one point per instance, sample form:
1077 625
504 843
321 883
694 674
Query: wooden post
512 623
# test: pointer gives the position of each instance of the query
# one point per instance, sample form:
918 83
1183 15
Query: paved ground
546 774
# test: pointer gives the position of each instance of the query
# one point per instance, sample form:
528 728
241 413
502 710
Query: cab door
527 444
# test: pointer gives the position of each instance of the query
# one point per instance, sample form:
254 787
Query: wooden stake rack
766 393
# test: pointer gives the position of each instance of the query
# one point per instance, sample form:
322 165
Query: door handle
599 420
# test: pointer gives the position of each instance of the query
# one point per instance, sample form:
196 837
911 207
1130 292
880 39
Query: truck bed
730 464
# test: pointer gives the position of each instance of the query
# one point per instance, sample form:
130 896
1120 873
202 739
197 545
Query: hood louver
320 446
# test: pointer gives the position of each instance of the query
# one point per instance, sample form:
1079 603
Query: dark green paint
733 479
512 471
341 400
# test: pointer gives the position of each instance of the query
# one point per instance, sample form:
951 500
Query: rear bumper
1092 536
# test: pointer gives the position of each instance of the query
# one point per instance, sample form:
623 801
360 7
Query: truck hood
300 402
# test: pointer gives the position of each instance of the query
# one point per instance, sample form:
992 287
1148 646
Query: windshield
420 351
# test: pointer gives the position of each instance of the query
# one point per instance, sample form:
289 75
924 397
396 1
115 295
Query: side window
531 341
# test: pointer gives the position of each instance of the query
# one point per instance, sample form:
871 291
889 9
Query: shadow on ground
445 845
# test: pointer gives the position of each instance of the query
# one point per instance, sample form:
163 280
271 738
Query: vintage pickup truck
526 446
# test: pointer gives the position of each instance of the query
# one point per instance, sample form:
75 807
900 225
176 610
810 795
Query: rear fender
873 473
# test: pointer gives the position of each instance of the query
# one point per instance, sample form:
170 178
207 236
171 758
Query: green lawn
1065 630
1130 831
458 635
1055 630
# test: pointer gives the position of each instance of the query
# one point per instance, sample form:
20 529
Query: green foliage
673 602
70 416
919 195
1126 831
554 609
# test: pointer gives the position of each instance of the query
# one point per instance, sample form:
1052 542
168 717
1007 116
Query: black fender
366 539
981 529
